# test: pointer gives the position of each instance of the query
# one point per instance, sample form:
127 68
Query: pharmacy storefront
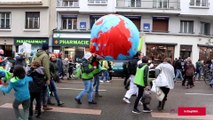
36 43
72 48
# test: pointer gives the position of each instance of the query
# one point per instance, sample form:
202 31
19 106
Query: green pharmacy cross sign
33 41
71 42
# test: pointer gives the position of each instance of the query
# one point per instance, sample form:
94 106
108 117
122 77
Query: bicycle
207 75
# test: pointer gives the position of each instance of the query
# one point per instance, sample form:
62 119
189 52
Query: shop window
186 26
205 28
199 3
32 20
158 52
69 23
206 53
5 18
161 3
160 25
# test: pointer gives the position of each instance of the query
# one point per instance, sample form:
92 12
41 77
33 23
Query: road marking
102 90
175 116
199 94
64 110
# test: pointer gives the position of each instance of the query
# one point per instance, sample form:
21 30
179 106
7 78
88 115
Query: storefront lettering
74 42
31 41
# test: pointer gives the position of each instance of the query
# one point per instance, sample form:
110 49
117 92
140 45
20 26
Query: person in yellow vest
141 80
105 71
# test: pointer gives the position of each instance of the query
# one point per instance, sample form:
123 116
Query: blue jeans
96 83
54 90
105 75
88 88
25 105
178 74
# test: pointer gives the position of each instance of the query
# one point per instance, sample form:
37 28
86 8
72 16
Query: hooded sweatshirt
20 86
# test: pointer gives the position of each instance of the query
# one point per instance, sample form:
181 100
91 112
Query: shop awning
20 2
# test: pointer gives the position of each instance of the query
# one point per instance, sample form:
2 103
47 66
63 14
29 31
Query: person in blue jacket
20 84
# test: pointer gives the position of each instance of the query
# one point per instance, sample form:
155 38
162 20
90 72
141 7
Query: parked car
118 70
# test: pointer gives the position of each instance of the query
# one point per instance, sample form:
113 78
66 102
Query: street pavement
112 107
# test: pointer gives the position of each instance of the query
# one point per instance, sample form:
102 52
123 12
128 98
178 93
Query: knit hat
87 55
45 46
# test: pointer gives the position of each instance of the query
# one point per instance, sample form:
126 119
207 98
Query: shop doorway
74 53
185 51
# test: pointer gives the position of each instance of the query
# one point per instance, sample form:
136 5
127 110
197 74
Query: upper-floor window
93 19
160 24
186 26
97 2
205 28
135 3
32 20
199 3
70 3
161 3
69 22
5 20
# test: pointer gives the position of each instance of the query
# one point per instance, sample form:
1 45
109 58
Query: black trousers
140 95
165 91
37 97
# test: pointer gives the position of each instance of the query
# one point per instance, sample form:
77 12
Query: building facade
30 21
169 28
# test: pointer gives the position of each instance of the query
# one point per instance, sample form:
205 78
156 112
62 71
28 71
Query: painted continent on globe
114 37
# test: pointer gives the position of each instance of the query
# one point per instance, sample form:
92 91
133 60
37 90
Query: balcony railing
67 3
149 4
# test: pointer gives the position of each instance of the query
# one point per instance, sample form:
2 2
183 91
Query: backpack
78 72
190 70
132 66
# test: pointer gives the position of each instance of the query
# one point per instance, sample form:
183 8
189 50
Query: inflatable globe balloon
114 37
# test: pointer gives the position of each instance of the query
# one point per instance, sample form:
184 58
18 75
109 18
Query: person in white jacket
165 80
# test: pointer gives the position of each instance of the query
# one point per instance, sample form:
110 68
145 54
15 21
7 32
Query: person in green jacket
141 80
87 76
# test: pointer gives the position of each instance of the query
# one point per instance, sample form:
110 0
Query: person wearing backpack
87 76
189 73
42 55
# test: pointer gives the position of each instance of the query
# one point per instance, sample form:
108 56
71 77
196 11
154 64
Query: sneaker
101 81
60 103
108 81
136 111
78 101
92 102
126 100
97 95
147 110
47 108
